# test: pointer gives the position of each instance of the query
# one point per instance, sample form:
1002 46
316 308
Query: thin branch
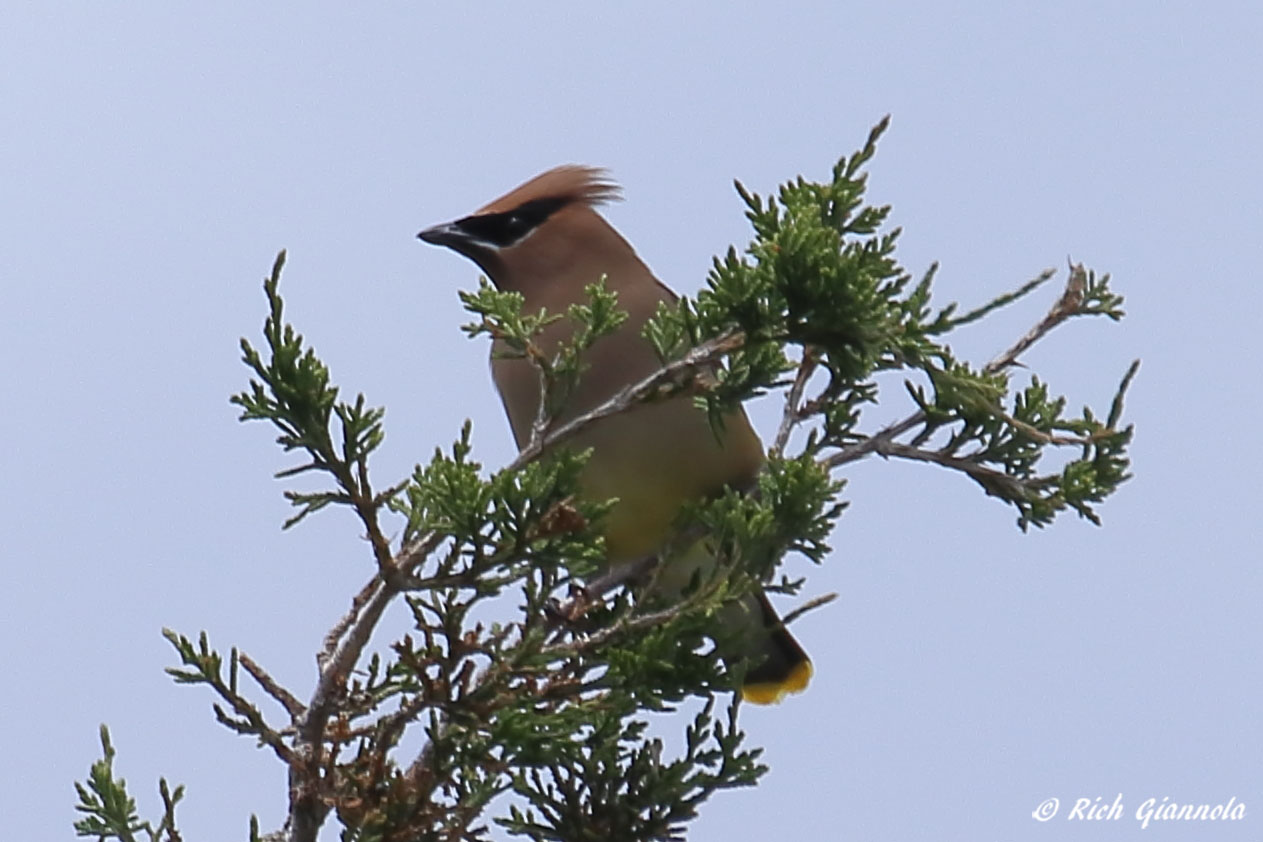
1067 305
585 595
1051 438
1003 300
339 630
543 418
652 386
792 413
367 507
989 478
251 722
1070 303
809 605
627 623
206 667
307 808
389 727
357 626
292 706
860 449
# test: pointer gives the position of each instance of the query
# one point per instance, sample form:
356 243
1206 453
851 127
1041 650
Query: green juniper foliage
110 813
538 723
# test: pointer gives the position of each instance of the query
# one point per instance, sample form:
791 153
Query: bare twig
339 630
292 706
251 722
543 418
809 605
1066 306
337 667
989 478
668 376
792 413
343 646
367 507
869 445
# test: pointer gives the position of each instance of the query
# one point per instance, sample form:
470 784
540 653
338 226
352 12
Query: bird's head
539 232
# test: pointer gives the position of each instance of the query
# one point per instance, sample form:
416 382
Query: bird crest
567 184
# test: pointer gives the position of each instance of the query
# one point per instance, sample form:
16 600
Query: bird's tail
778 664
748 629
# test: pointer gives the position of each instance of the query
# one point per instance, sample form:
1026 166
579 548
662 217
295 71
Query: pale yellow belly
655 459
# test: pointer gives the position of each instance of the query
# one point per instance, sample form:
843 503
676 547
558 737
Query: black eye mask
508 227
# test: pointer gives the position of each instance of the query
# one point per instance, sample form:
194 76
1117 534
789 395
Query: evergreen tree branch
991 480
1069 304
543 715
205 666
668 380
1072 302
110 812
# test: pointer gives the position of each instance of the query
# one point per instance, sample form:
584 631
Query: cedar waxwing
546 241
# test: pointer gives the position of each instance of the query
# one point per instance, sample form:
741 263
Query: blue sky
154 157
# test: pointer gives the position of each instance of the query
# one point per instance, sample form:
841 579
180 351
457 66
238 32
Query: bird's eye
500 230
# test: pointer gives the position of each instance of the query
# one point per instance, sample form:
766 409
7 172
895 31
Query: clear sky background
154 158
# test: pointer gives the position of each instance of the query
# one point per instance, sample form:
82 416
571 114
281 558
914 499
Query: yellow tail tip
771 692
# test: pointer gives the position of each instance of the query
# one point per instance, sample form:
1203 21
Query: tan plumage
582 185
546 240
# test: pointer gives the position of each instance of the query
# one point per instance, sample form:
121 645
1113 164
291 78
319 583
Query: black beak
447 234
